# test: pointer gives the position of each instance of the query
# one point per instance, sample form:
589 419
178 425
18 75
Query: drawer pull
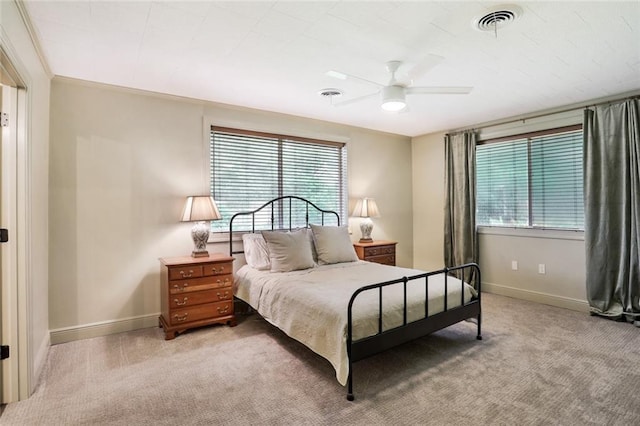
223 311
226 280
217 271
181 317
184 274
179 303
177 287
222 296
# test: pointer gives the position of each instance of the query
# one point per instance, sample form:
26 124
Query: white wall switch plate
514 265
542 269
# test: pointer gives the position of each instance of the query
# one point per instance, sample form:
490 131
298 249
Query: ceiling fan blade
344 76
426 64
354 100
439 90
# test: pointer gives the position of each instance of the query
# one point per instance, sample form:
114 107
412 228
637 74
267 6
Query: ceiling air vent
329 93
497 17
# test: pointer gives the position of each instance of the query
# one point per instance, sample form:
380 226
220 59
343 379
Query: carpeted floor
537 365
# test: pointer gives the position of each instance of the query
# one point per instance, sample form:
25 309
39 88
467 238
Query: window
251 168
531 181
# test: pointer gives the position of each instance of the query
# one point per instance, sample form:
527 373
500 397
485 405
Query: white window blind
532 181
250 168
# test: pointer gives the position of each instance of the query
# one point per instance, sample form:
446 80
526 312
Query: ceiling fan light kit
393 98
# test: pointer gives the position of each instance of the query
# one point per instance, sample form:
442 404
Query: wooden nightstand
196 291
377 251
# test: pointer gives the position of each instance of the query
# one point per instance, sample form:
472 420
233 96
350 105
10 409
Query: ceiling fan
393 94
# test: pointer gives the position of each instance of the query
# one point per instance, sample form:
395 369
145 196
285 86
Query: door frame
13 213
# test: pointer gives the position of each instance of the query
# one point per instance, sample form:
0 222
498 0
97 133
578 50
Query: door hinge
4 119
4 352
4 235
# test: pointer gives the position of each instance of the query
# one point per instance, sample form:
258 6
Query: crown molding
34 37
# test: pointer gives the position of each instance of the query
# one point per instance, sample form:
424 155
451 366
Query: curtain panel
612 209
460 236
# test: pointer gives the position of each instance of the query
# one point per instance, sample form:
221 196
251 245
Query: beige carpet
537 365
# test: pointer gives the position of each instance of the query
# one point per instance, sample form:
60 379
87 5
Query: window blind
501 184
249 169
533 181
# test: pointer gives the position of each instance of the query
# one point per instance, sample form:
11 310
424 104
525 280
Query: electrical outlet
542 269
514 265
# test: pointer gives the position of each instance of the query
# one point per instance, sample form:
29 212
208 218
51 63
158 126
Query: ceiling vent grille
497 18
329 93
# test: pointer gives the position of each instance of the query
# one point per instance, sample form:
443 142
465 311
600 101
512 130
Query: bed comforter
311 305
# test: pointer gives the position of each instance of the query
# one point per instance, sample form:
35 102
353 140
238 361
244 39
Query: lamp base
200 235
200 254
366 226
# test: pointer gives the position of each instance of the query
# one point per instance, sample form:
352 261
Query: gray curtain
460 237
612 209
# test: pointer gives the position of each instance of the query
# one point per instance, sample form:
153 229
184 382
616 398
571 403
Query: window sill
554 234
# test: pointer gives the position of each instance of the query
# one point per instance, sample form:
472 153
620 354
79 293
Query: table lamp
366 208
198 209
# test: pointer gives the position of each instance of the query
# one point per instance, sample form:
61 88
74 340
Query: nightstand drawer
183 272
217 268
199 297
378 251
389 259
201 312
199 284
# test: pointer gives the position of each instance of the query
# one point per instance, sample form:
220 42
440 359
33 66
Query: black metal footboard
408 331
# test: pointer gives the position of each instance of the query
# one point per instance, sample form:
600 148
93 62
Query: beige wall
122 162
563 284
428 201
29 334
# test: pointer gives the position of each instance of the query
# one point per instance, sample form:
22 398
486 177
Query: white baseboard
87 331
97 329
534 296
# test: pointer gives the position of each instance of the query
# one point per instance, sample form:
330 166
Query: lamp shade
200 208
366 207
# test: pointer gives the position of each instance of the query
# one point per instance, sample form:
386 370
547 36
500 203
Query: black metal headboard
279 207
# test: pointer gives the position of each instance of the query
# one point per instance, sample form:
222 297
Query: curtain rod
523 119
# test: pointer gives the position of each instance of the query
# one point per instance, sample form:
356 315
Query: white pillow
289 251
256 252
333 244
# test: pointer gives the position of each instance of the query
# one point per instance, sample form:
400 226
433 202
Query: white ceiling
274 55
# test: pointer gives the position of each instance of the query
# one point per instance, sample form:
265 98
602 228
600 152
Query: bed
306 280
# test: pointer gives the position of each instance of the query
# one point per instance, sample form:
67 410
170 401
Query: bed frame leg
479 336
350 396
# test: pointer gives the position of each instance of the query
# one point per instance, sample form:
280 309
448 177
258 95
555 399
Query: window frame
221 235
530 230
